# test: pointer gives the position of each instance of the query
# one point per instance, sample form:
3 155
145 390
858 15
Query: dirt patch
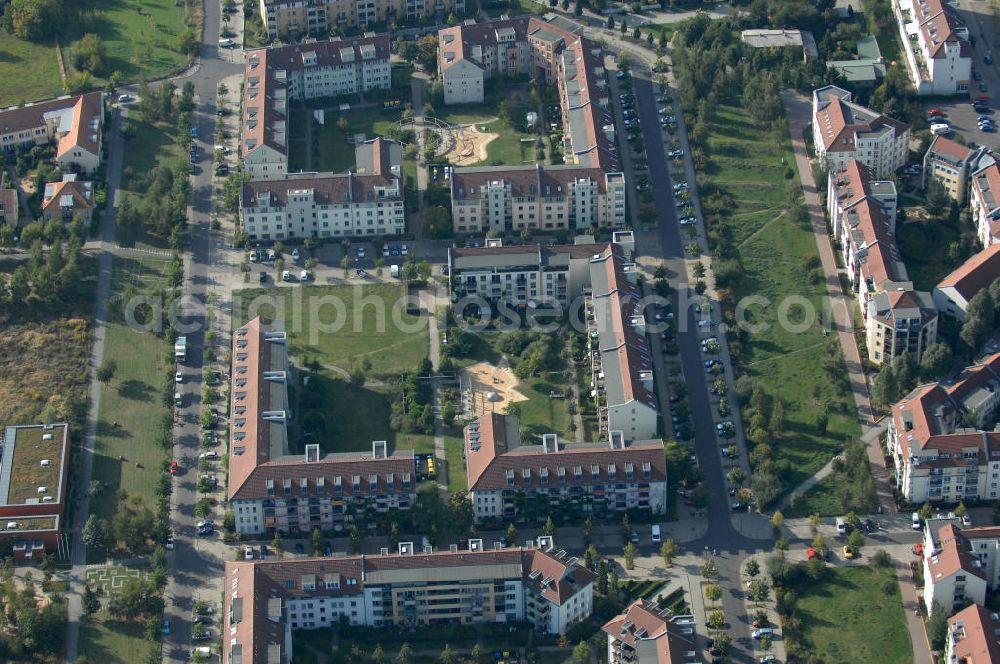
489 388
470 145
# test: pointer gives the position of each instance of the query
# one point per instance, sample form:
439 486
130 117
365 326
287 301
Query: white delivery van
915 518
841 526
656 534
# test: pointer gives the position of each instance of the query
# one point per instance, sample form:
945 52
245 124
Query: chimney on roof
312 452
550 443
406 548
475 545
379 449
617 440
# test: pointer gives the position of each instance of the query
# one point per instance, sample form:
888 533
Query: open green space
29 70
454 444
508 148
333 147
849 616
109 641
923 246
353 324
151 145
778 260
132 402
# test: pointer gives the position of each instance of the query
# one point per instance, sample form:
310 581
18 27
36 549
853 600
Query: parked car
210 456
758 634
673 154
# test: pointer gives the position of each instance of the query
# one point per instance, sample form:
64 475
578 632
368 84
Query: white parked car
211 456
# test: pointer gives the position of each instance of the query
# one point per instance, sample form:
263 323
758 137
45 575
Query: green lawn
29 71
507 147
820 499
849 617
774 251
133 398
151 146
362 329
541 414
454 444
141 37
923 246
112 642
331 150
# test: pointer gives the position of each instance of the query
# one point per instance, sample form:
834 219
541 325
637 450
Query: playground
469 146
488 388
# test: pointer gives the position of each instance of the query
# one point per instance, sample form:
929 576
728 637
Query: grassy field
453 444
332 151
775 253
152 145
849 617
507 148
111 641
43 361
132 398
366 328
29 71
923 246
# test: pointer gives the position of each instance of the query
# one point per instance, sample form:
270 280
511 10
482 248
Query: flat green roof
31 459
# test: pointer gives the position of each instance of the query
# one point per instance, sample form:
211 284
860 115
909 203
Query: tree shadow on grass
109 430
136 390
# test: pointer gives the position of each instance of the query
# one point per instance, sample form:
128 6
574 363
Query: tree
33 20
378 655
137 597
716 620
91 604
926 511
630 553
751 568
938 199
317 542
133 523
278 545
581 653
588 529
511 535
819 542
591 557
95 533
549 528
937 626
448 656
89 54
357 539
855 540
106 371
758 591
403 656
427 48
961 510
713 592
709 570
936 361
669 551
602 578
776 520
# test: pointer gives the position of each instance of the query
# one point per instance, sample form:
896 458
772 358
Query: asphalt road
194 567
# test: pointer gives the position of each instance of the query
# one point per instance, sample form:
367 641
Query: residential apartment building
545 274
972 637
272 490
9 207
620 355
984 201
844 131
505 474
644 634
34 466
942 441
898 319
274 77
936 46
953 294
953 572
898 322
948 161
68 198
504 199
73 124
365 202
266 601
298 18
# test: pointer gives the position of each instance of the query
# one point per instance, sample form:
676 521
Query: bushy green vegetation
41 626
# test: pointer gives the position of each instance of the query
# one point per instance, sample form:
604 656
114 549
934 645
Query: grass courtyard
352 324
923 245
778 256
332 152
103 639
850 616
133 399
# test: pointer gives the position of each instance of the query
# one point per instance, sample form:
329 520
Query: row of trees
49 278
412 408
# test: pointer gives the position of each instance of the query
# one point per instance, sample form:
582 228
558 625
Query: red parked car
937 112
174 467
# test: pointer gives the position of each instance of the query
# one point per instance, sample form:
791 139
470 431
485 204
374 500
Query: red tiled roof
85 130
494 453
976 642
81 192
840 122
952 150
976 273
953 556
642 621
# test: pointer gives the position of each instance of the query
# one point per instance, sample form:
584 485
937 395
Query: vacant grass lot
29 71
359 325
44 360
507 148
109 641
750 165
152 145
133 399
848 616
924 248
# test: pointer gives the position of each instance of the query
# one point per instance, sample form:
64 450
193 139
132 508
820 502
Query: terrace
32 459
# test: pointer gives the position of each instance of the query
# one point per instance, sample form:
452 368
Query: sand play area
487 388
470 145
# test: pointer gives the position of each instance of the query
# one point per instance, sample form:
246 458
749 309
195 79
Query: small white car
211 456
178 377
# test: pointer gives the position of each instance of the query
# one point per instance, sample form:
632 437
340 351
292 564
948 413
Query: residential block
286 19
68 198
844 131
73 124
275 77
953 294
265 601
984 201
972 637
948 162
644 634
366 201
935 45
